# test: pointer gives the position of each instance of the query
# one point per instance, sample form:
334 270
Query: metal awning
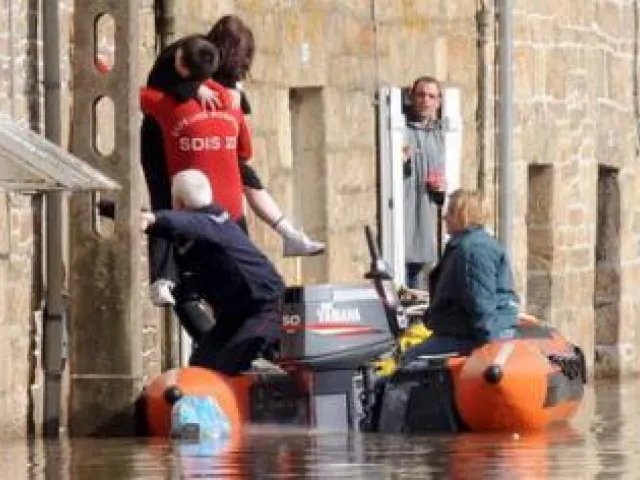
28 161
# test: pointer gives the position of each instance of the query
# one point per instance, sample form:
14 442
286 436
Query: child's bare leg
296 242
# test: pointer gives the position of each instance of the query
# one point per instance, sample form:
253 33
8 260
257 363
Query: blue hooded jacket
228 270
472 291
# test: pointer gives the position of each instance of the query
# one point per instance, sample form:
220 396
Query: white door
391 125
452 120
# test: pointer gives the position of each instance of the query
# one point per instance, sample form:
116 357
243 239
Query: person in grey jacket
472 291
424 173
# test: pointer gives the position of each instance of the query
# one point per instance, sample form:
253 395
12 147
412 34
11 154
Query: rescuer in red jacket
172 75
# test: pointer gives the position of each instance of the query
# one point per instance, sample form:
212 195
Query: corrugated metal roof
28 161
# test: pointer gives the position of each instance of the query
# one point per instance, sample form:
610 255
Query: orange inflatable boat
331 336
515 385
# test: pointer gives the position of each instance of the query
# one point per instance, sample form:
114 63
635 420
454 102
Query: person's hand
407 151
236 98
437 186
526 317
435 182
146 220
209 99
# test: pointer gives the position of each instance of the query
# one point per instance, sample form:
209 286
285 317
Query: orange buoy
229 392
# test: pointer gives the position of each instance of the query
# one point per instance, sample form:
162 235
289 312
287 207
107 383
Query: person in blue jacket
472 291
218 261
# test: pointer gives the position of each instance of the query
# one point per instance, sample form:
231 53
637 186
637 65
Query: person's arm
245 143
232 84
163 74
154 164
407 153
249 176
185 90
150 101
477 273
436 163
171 224
213 96
524 317
244 103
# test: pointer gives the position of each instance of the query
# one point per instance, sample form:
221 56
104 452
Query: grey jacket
420 213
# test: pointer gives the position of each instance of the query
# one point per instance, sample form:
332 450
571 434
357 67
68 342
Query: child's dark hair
200 57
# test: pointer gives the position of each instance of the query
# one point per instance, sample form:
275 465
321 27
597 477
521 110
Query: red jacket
210 141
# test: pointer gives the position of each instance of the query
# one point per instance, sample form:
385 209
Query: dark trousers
438 345
154 165
413 274
237 339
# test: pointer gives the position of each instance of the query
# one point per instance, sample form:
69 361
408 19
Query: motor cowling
334 326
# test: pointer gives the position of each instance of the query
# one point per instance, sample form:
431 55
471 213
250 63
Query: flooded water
601 442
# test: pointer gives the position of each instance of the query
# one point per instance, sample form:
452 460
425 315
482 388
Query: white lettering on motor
291 321
327 313
199 144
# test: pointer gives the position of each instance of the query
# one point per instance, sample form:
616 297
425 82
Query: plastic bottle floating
192 402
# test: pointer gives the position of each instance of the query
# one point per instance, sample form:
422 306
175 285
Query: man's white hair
191 188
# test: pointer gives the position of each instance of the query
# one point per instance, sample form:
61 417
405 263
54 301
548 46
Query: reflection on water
602 442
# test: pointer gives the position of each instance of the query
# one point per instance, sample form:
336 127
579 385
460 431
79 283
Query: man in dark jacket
217 260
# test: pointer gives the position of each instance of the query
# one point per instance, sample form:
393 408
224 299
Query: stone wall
576 110
152 341
153 335
21 222
19 310
21 287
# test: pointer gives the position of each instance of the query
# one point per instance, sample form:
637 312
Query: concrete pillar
105 311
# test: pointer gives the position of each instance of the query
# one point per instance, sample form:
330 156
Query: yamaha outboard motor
337 327
331 334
